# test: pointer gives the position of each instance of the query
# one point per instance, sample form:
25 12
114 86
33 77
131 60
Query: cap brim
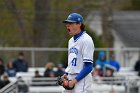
68 21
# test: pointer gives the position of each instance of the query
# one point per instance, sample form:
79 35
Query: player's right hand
65 83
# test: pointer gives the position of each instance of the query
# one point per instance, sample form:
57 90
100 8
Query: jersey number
74 61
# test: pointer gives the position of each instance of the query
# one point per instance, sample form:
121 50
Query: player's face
73 28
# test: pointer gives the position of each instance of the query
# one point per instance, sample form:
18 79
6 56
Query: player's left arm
85 71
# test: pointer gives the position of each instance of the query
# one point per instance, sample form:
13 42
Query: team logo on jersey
73 50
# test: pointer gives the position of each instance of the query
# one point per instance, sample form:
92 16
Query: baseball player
80 55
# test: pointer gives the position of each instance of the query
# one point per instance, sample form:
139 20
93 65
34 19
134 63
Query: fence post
107 53
124 56
138 89
127 88
33 58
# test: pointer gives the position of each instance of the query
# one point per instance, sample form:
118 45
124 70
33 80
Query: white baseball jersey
79 51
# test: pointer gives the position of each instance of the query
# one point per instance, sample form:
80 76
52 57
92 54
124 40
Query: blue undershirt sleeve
85 71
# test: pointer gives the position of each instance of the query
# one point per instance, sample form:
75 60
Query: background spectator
101 61
5 80
60 70
22 87
114 63
20 64
49 70
96 72
109 71
10 70
37 74
2 67
36 79
52 74
139 73
1 84
137 65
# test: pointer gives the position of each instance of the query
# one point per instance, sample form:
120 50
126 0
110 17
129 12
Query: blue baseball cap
74 17
101 54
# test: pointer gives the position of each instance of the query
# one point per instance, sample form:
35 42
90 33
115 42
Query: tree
40 30
107 37
11 6
136 4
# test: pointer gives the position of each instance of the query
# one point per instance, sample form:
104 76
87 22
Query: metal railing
126 56
118 84
100 85
10 88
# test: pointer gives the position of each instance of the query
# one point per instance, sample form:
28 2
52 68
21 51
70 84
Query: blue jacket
11 72
20 65
115 64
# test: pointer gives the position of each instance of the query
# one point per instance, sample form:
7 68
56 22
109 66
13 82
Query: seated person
114 63
139 73
1 84
22 86
2 67
60 70
37 74
49 70
5 80
109 71
137 65
10 70
109 74
96 71
20 64
36 79
101 61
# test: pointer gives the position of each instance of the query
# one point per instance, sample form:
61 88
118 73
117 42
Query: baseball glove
64 82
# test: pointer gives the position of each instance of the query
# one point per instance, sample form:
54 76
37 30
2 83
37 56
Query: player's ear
79 23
